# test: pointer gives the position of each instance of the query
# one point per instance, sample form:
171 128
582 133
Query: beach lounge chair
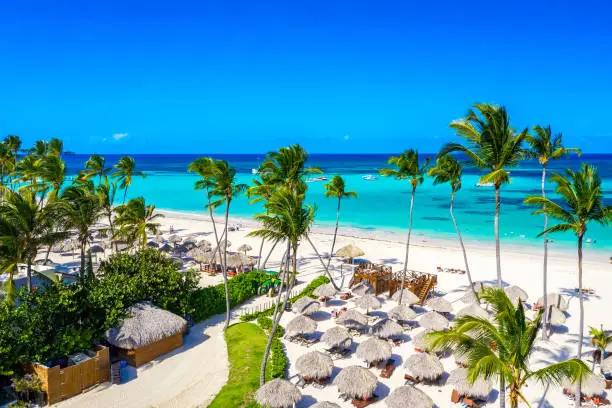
361 403
412 380
388 369
455 397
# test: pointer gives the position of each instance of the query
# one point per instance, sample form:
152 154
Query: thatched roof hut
314 365
402 313
373 350
555 316
555 299
325 404
278 394
350 251
480 389
306 305
421 342
408 298
244 248
368 302
204 245
408 396
356 382
386 329
440 305
353 319
592 385
515 293
425 366
326 290
606 365
362 288
434 321
337 336
301 325
473 310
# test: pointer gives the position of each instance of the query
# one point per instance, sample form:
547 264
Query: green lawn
246 344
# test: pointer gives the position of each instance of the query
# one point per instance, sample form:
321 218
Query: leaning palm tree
206 169
581 202
449 170
546 147
259 192
287 219
407 167
226 188
287 167
125 170
136 220
493 145
499 348
335 189
95 166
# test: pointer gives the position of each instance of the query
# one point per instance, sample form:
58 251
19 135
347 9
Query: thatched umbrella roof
353 319
434 321
159 239
368 302
314 365
425 366
325 404
245 248
145 324
555 299
301 324
224 244
356 382
350 251
606 365
387 328
236 260
306 305
175 239
473 310
337 336
326 290
408 298
408 396
402 313
374 350
278 394
469 297
197 252
555 316
362 288
592 385
186 246
440 305
480 389
515 293
420 340
204 244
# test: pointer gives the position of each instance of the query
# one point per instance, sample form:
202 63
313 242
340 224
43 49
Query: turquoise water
382 204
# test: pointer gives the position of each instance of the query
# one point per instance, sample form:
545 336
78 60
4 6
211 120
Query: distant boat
254 171
311 180
369 177
484 184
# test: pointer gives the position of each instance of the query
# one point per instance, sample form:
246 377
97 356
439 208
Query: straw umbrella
424 366
362 288
408 298
245 248
386 329
174 239
314 365
326 290
353 319
356 382
421 342
434 321
350 251
555 316
301 325
368 302
337 337
306 305
204 244
555 299
402 313
592 385
408 396
159 239
278 394
374 350
325 404
515 293
469 297
238 259
473 310
480 389
440 305
224 244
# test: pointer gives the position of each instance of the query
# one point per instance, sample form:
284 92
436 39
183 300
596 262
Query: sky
336 76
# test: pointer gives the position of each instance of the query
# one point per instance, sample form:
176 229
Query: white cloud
346 137
118 136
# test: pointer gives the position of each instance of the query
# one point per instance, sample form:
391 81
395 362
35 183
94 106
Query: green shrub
278 360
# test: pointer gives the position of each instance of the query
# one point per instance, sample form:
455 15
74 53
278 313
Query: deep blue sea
382 204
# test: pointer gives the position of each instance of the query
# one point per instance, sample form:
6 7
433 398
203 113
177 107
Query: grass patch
246 343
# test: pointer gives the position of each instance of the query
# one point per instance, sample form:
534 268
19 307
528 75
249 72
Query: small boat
484 184
254 171
312 180
369 177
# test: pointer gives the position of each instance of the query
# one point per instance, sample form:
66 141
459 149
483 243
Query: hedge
278 359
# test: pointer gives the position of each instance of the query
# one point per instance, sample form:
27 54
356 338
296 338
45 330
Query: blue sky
247 76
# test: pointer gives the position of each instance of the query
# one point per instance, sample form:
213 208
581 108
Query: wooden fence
263 306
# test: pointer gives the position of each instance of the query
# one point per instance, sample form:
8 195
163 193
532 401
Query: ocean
382 204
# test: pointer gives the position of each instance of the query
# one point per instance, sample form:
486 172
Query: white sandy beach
191 376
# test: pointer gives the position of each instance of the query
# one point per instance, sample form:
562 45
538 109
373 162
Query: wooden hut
148 332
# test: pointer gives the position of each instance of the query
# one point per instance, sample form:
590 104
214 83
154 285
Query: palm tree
492 144
287 167
125 170
449 170
95 166
205 168
286 219
26 172
52 173
13 145
226 188
106 192
335 189
499 348
581 202
136 220
407 167
260 191
601 339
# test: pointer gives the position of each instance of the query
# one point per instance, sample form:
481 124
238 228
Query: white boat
254 171
311 180
484 184
369 177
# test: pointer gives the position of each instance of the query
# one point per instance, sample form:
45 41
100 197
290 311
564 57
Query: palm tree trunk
224 266
465 260
263 266
260 252
502 392
124 193
545 266
496 228
29 275
407 246
83 243
331 279
581 298
331 253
